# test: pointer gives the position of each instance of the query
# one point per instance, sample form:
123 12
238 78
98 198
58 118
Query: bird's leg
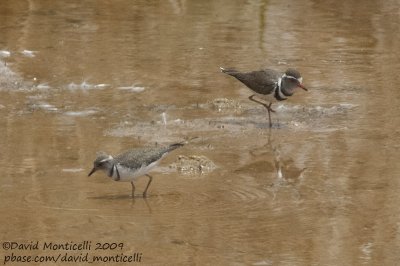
133 189
268 106
148 184
251 98
269 117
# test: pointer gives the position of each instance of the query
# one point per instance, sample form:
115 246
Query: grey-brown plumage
132 164
268 82
261 81
134 159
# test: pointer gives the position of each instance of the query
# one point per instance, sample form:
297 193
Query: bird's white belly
128 174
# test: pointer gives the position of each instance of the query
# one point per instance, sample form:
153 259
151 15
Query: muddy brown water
320 188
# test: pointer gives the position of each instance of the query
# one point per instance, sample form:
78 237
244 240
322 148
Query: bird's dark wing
136 158
260 81
129 159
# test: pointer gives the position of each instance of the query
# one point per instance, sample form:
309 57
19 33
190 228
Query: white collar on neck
280 81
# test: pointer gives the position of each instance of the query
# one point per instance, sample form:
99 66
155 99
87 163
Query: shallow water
319 188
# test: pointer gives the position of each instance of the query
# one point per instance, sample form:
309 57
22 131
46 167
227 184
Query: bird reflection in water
269 159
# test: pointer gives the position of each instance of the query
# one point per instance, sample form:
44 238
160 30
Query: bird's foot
270 108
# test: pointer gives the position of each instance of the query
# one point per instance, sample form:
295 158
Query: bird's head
291 80
103 162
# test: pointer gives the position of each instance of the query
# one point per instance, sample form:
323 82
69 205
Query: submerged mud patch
194 164
9 80
224 104
171 124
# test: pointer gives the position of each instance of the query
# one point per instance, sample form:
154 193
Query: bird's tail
228 71
179 144
175 146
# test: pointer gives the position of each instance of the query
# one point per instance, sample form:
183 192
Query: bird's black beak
91 172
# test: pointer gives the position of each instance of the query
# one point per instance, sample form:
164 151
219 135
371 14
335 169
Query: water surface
320 188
